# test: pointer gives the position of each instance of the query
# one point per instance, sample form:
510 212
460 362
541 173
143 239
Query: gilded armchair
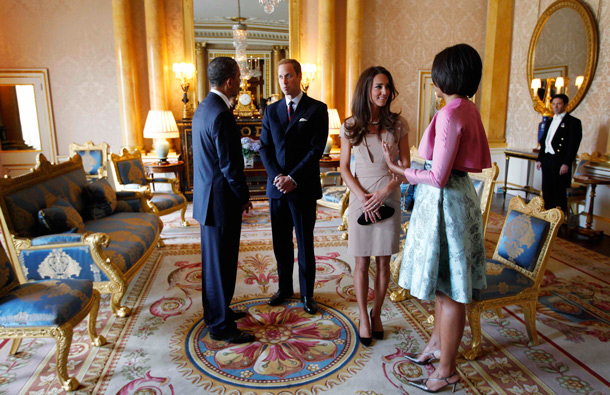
516 270
129 175
483 184
94 158
48 308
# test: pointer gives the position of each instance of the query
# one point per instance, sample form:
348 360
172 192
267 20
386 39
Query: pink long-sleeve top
455 139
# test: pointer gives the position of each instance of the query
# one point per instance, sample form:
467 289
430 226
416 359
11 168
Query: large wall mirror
268 36
26 120
564 44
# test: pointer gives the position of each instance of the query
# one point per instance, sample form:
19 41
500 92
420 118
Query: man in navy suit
293 138
558 147
220 196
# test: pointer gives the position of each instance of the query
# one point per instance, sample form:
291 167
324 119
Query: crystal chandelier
269 5
240 42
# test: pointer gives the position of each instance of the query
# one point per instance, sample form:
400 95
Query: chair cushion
102 199
61 217
131 235
165 201
522 238
131 172
333 194
502 281
574 192
44 303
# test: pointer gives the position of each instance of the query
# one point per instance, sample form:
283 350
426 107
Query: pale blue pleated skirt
444 250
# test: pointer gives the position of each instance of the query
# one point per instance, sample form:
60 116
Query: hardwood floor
601 246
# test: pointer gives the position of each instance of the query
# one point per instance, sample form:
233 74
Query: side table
172 167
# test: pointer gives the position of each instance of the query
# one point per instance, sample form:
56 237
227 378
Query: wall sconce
579 81
334 128
308 73
184 74
161 125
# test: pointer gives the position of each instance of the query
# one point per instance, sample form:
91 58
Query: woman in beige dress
371 185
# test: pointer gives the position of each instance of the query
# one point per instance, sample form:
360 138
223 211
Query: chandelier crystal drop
269 5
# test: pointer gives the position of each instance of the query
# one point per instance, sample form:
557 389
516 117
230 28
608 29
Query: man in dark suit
558 147
220 196
293 137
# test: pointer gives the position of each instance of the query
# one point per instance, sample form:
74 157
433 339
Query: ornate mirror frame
592 45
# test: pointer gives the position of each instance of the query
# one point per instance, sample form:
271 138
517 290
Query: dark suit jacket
220 187
294 148
566 141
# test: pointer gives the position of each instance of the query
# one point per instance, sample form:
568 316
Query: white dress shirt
295 101
557 119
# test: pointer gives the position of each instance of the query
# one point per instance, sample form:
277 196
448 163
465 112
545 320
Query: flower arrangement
249 146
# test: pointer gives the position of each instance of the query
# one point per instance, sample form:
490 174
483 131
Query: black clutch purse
385 212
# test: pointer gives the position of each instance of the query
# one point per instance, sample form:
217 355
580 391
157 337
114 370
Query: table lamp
161 125
334 127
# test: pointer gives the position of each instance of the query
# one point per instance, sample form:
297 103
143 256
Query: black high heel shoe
366 341
421 383
414 357
376 334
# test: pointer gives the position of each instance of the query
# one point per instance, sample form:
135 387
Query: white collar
295 100
559 116
222 96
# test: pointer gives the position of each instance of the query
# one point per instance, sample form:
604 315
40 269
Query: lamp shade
160 124
334 122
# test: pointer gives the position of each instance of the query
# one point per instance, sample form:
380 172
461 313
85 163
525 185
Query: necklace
373 123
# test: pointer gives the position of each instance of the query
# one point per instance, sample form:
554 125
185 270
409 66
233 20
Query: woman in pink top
444 256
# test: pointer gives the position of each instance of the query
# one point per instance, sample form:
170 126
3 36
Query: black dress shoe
309 305
234 336
376 334
279 297
238 315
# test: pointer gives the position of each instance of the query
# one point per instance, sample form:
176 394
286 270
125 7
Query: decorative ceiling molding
219 31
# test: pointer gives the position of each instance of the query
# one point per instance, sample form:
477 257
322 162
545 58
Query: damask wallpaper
522 119
404 35
74 40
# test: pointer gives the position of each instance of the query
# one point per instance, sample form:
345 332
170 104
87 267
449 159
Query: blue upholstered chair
516 270
94 157
334 194
48 308
128 172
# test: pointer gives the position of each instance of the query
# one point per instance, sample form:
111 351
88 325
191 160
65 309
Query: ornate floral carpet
164 347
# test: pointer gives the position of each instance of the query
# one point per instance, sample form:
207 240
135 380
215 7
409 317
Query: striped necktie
290 110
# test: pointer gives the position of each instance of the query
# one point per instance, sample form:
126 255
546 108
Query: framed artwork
428 104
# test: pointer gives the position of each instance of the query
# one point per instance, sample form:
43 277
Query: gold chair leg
96 340
183 216
63 338
118 290
474 318
529 312
399 296
15 346
160 243
499 312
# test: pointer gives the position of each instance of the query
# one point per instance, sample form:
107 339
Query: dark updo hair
221 69
457 70
357 125
564 98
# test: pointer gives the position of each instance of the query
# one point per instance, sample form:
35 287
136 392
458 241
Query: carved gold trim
89 146
592 49
527 298
63 337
